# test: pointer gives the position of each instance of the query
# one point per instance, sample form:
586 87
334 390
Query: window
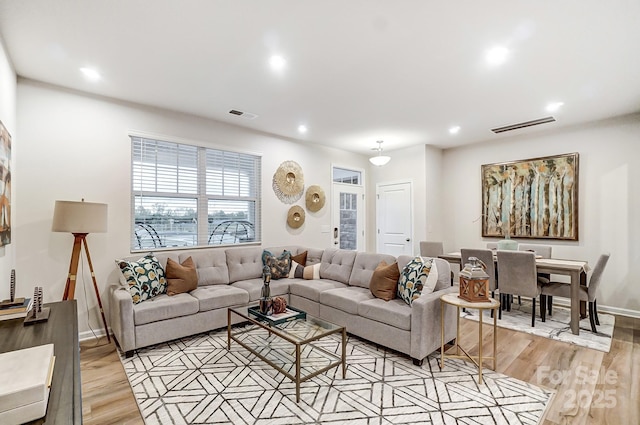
342 175
189 196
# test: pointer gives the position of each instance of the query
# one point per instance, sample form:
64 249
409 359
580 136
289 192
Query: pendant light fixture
379 160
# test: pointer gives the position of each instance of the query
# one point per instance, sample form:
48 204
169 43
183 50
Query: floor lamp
80 219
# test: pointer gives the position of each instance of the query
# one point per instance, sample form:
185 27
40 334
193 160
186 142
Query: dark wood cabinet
65 397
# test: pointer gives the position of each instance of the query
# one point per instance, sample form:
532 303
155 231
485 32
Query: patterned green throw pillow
413 279
279 266
145 277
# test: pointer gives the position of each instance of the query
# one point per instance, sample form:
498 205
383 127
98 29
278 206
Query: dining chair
587 293
431 248
517 271
486 256
543 251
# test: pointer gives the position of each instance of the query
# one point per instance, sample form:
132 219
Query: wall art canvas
532 198
5 186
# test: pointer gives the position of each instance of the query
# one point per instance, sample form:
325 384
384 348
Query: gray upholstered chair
431 249
486 256
544 251
587 293
517 271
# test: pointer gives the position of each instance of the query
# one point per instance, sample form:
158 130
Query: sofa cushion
144 277
244 263
278 266
219 296
164 307
384 281
337 264
311 289
181 277
412 280
345 299
314 256
211 265
364 265
254 287
394 313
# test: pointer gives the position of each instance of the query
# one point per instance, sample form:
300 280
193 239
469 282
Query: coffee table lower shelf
264 341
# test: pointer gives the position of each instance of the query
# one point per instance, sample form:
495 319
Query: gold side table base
454 300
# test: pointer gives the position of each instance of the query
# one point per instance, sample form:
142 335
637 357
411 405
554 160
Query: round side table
455 300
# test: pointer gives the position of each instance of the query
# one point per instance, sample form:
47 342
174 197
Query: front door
394 211
348 210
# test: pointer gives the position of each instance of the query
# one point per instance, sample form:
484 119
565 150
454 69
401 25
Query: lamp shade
379 160
79 217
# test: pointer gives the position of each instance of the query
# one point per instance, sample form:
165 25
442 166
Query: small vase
507 244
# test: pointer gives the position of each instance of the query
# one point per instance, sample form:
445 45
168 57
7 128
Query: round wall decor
295 216
314 198
288 182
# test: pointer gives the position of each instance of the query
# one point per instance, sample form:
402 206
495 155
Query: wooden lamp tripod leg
95 288
70 287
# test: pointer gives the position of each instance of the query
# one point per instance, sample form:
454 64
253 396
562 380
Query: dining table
575 269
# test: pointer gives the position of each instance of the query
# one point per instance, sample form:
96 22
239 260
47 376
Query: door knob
408 240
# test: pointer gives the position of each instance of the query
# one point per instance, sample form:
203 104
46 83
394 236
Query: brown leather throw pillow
384 281
181 277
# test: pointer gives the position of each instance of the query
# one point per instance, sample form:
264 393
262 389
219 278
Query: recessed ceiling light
554 106
302 128
497 55
455 129
277 62
90 73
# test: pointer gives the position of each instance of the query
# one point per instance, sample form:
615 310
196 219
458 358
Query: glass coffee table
291 347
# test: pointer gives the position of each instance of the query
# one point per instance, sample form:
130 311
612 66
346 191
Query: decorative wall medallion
295 217
288 182
314 198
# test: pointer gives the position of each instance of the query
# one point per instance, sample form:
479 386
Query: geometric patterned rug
196 380
555 327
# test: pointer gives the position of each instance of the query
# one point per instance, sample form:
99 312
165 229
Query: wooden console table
65 397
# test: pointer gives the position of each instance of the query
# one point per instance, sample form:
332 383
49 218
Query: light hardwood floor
592 387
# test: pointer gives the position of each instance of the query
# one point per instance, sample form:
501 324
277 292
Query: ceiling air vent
245 115
523 125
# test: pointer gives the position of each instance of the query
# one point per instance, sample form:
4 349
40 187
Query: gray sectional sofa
232 277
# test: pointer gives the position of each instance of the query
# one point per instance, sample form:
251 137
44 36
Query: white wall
609 197
421 165
76 146
8 118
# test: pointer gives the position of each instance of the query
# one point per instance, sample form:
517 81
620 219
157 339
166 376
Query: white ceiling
357 71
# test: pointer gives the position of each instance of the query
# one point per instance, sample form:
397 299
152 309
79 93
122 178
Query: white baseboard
88 335
603 308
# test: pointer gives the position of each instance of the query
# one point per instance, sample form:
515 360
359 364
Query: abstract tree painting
5 186
533 198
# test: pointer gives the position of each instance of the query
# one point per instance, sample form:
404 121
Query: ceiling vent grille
245 115
523 125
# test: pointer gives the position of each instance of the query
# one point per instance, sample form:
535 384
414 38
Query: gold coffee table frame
455 300
299 332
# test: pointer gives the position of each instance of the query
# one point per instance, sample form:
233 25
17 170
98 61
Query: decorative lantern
474 281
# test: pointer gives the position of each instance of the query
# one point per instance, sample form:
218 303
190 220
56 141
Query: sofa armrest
121 317
426 323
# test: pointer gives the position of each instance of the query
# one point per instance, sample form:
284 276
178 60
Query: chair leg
519 300
543 307
550 304
533 313
592 319
595 312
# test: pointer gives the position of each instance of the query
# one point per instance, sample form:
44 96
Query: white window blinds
186 195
